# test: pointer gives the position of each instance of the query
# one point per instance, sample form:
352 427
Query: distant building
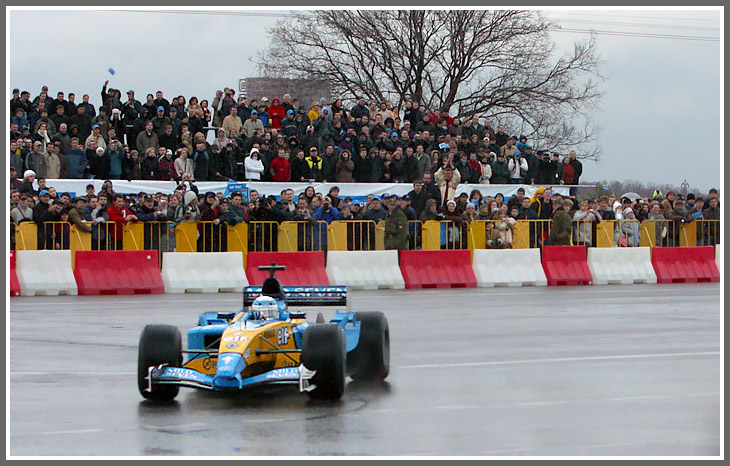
306 90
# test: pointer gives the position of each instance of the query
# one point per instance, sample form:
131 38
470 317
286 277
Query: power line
636 17
558 29
638 34
646 25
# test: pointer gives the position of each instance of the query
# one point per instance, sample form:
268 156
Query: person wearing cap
26 186
680 216
36 161
396 226
43 212
253 124
561 225
629 229
23 212
96 137
160 121
76 215
314 166
288 124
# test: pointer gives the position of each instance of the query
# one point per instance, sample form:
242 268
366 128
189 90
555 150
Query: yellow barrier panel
263 236
431 234
132 236
54 235
238 239
80 240
604 234
415 234
648 233
444 234
303 236
352 235
688 234
380 236
708 232
26 236
186 237
477 238
530 233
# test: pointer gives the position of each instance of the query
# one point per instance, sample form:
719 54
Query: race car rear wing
303 295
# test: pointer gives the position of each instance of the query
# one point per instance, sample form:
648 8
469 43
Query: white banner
357 191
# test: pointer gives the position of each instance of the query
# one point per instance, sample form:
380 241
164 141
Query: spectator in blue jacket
327 212
76 159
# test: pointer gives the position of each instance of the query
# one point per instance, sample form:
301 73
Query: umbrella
632 196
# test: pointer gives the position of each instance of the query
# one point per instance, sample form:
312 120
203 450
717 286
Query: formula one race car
267 343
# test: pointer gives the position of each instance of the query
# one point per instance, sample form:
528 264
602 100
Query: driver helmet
265 307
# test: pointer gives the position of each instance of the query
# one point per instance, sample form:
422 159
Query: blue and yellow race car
267 343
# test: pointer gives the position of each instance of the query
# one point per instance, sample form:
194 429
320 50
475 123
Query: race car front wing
182 376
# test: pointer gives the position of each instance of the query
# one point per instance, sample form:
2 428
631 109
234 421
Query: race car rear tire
323 351
158 344
370 360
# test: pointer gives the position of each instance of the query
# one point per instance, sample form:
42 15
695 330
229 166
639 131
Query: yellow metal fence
352 235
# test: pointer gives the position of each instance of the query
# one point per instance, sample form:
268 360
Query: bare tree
502 64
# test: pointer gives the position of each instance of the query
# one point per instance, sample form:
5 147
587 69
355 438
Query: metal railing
359 235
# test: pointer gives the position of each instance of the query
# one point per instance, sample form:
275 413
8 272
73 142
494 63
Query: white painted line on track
551 360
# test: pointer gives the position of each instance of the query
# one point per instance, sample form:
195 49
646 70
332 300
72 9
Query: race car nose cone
228 372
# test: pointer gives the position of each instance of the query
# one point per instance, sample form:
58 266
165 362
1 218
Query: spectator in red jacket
277 113
280 166
120 216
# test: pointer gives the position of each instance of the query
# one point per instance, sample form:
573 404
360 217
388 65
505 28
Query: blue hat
161 108
95 126
43 191
290 112
254 111
394 133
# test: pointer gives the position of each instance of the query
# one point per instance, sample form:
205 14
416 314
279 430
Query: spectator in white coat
253 165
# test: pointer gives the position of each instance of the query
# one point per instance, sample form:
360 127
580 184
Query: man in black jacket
43 212
418 197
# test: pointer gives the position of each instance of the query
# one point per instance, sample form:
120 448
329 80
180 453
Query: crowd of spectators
257 139
187 204
285 141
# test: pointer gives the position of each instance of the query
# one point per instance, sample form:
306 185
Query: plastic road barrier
566 265
203 272
45 273
302 268
718 256
437 269
365 270
508 267
621 265
685 264
118 272
14 285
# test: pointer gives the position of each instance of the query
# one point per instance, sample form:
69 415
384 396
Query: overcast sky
660 117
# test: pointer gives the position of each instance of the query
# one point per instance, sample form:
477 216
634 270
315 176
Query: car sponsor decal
208 364
235 338
284 373
282 336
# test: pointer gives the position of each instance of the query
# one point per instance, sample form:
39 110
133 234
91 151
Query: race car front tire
370 360
323 351
158 344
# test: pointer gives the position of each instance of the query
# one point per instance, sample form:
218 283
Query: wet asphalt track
579 371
